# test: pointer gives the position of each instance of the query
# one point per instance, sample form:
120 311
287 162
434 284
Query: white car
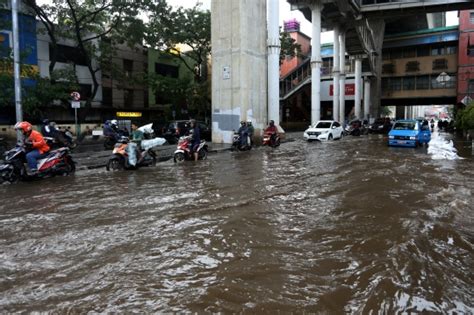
324 130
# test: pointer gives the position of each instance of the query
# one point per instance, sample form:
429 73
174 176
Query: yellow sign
26 71
129 114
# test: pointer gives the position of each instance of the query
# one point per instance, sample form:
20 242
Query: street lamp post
16 63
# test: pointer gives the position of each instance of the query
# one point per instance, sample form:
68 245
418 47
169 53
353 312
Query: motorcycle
109 142
56 162
3 146
241 147
271 141
61 139
127 156
183 152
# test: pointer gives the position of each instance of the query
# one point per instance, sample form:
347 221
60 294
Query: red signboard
350 89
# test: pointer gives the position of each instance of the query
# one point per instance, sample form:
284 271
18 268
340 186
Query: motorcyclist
251 130
243 133
47 130
111 130
272 130
35 141
196 138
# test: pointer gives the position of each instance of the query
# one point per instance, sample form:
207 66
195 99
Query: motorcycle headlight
391 137
412 138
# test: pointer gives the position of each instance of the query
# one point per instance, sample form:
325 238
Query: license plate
402 142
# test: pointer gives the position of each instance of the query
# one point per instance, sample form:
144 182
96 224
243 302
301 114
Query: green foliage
182 33
289 47
385 111
465 118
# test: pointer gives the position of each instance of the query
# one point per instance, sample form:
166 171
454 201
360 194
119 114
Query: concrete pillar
405 114
239 66
335 71
316 8
366 98
342 80
273 61
358 80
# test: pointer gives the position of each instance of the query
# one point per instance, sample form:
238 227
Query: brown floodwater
347 226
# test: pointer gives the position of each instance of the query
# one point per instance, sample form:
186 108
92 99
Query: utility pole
16 64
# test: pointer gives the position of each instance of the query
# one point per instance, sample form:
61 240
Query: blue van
409 133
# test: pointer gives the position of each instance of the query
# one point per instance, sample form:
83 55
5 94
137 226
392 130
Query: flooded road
348 226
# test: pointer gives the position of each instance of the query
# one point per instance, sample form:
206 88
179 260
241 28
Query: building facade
465 88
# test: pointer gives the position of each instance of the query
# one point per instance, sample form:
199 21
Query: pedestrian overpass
360 26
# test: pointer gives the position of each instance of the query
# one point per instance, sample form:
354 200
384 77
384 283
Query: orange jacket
38 142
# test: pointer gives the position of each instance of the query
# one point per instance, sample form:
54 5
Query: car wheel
330 137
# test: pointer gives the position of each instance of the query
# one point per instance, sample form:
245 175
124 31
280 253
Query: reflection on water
347 226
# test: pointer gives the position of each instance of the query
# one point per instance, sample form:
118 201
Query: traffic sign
466 100
75 104
443 77
76 96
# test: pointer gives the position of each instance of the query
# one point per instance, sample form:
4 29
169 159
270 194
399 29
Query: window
408 83
423 82
443 82
128 67
388 68
106 96
396 54
85 91
167 70
423 51
385 54
470 86
68 54
470 50
336 124
451 50
409 52
412 66
471 17
437 50
128 98
440 64
395 84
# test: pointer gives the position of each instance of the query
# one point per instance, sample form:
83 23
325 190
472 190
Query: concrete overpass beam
366 97
358 80
273 61
342 80
316 61
336 76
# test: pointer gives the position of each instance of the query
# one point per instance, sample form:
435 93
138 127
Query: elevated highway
360 26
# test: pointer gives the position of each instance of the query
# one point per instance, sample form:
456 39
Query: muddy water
348 226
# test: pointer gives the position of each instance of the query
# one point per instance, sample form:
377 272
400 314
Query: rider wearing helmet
110 130
35 140
251 130
272 130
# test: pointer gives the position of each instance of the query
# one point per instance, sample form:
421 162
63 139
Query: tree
289 47
465 118
94 26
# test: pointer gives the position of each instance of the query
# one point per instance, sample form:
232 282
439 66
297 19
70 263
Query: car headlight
412 138
391 137
326 131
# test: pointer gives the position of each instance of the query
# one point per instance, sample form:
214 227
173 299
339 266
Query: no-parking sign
76 96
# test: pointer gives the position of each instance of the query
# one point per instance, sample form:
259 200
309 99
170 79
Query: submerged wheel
330 137
203 154
179 157
115 164
70 166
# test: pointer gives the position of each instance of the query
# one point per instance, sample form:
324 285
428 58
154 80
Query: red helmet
24 126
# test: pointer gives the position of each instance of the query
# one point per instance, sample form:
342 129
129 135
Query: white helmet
113 122
249 121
